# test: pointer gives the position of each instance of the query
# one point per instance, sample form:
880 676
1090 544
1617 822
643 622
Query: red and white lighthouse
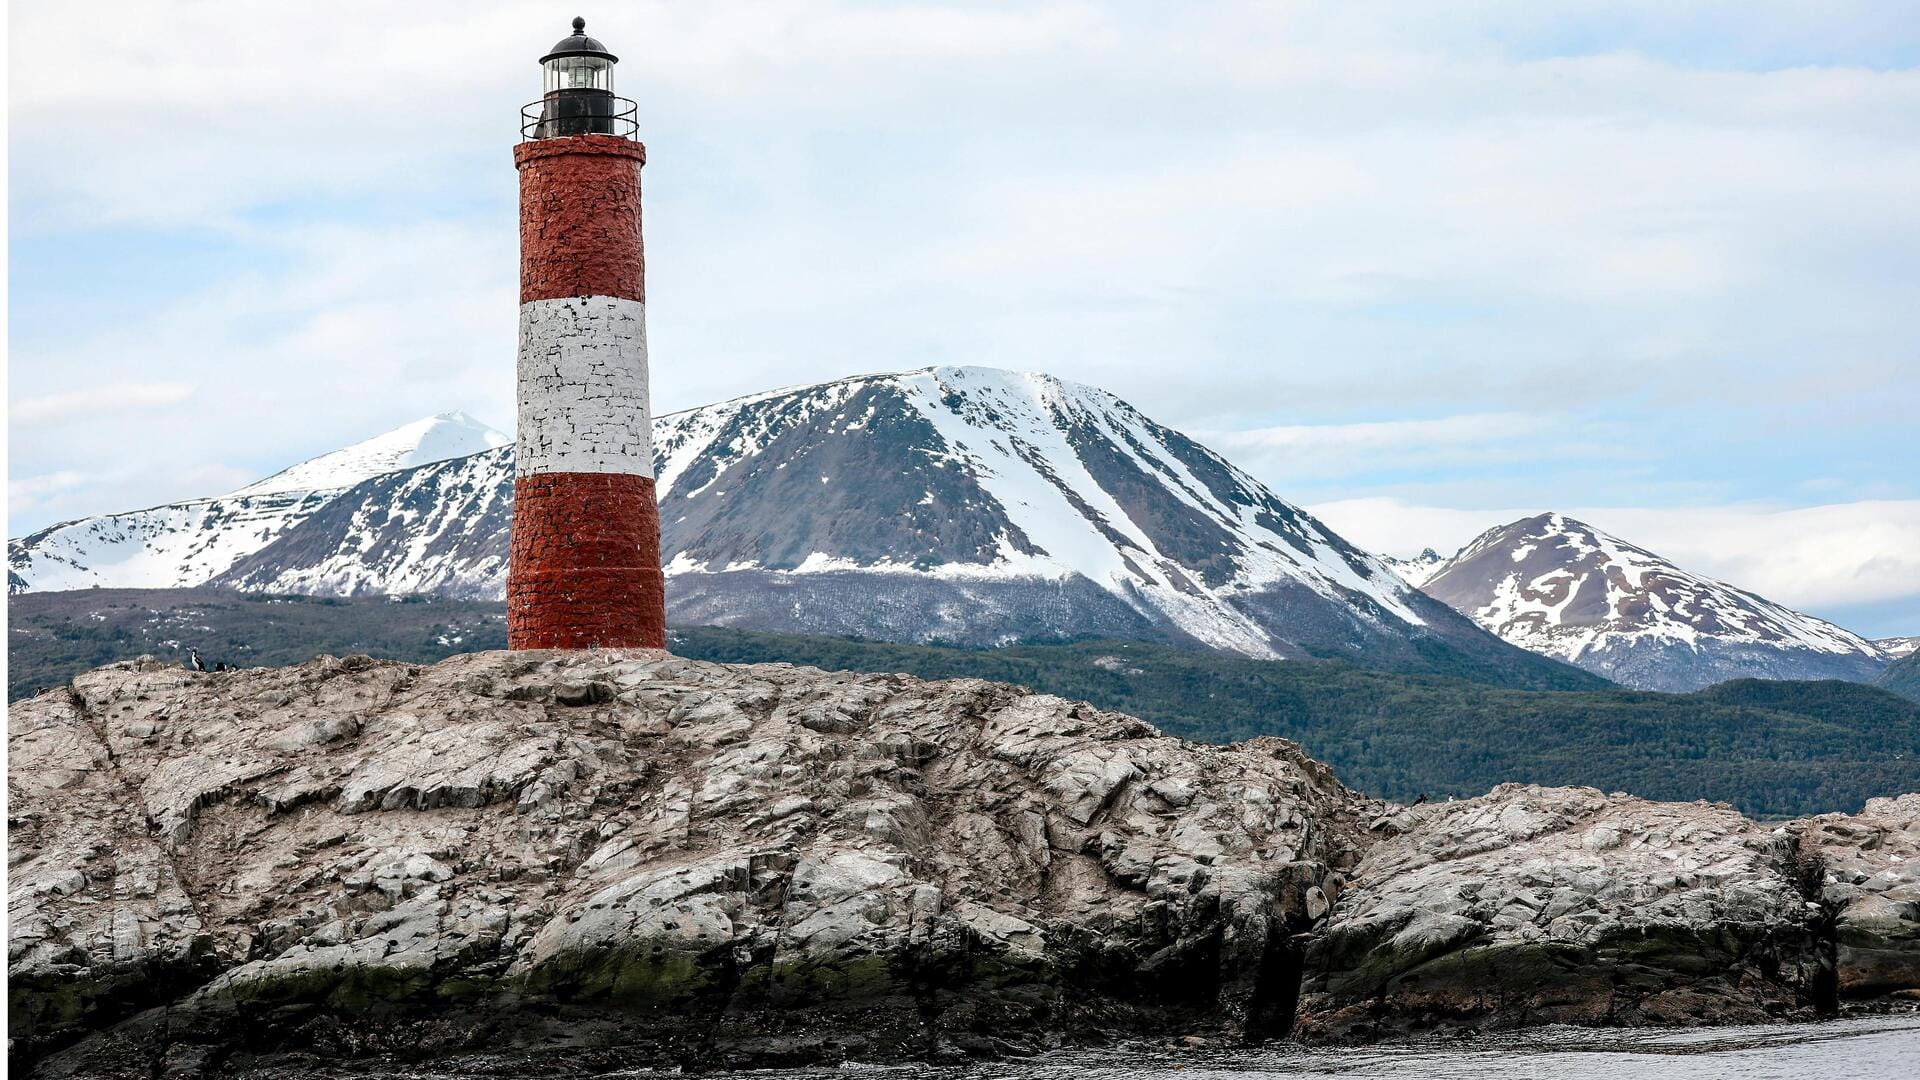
586 526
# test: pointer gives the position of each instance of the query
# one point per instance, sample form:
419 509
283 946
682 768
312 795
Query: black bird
1421 799
221 665
194 660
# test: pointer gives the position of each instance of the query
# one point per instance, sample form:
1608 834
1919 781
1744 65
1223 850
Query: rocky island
610 858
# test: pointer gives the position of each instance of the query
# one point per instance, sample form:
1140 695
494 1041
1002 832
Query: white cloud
1845 553
1811 557
1396 527
1332 450
28 491
361 329
70 494
99 400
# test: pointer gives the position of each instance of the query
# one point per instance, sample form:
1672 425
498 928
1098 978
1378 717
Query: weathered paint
580 218
583 387
585 565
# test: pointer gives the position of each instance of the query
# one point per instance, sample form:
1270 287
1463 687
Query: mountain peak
959 475
1563 587
1416 570
420 442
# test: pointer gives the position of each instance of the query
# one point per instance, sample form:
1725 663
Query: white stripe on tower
583 387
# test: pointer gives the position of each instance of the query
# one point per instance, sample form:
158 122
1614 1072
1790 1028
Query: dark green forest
1903 677
54 636
1773 749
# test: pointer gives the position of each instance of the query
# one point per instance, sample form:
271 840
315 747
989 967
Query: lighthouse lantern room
577 92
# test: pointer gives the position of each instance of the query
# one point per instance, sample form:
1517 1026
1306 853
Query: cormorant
194 660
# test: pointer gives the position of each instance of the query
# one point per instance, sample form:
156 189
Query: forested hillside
1903 677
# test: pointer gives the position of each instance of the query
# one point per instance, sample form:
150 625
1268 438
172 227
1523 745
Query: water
1881 1048
1868 1048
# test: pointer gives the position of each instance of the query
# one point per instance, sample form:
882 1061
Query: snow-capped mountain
1898 647
1416 570
1565 589
952 504
434 438
187 543
441 528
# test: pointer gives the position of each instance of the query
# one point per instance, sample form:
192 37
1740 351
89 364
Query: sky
1422 268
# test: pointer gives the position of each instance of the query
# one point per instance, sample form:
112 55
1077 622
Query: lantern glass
579 73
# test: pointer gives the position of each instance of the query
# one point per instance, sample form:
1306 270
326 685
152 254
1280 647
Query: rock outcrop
1566 905
648 858
624 858
1870 883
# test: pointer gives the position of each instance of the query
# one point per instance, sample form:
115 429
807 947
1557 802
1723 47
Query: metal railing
564 114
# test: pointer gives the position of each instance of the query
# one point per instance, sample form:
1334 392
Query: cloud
99 400
1845 553
320 119
64 496
1672 243
1334 450
1812 558
1393 526
346 332
1394 435
27 491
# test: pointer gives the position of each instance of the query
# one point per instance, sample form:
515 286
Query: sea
1867 1048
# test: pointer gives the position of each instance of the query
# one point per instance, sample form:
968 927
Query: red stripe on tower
585 569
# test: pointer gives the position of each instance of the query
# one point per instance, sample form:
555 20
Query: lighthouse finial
579 25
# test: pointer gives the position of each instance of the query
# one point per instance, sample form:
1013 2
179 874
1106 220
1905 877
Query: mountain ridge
187 543
1416 569
423 441
1898 647
967 505
1902 677
963 505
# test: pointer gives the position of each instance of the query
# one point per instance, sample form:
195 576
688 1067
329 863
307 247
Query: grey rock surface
1535 905
1870 880
614 859
690 862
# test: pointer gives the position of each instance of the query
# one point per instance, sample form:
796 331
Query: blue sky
1423 268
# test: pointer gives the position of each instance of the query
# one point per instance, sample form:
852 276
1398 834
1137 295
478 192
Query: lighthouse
585 569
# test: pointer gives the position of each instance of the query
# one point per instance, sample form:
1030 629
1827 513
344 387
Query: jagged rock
1870 878
1535 906
696 862
1538 905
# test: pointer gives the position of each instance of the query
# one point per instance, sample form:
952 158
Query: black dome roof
579 44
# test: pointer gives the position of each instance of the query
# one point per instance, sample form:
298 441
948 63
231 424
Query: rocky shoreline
602 859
